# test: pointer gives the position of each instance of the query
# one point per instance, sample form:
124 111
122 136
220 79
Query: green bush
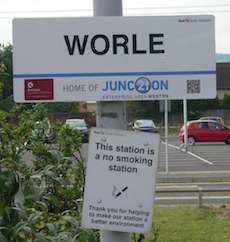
7 103
41 185
226 102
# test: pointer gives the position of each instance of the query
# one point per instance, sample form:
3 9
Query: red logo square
39 89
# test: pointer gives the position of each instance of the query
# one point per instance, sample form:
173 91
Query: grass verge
190 224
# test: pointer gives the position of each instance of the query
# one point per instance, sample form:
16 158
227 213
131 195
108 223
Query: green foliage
190 224
204 104
226 102
7 103
62 107
143 108
6 70
150 109
41 184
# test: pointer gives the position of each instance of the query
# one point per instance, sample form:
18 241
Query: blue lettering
121 85
164 84
131 85
106 87
160 84
113 87
155 85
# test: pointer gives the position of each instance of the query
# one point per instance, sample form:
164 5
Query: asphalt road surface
200 157
203 158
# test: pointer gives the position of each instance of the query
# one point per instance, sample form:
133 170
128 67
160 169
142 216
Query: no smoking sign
120 180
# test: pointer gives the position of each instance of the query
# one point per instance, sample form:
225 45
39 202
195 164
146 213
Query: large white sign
120 180
114 58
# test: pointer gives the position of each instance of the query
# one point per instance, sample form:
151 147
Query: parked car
214 118
80 125
206 131
144 125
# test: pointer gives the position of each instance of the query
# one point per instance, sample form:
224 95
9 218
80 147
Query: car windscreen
76 124
145 123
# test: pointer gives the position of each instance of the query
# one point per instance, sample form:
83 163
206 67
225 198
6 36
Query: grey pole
166 137
185 124
111 114
107 7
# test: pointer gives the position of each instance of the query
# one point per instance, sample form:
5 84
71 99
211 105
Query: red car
206 131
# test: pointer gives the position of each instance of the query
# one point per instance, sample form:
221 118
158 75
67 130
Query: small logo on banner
39 89
143 85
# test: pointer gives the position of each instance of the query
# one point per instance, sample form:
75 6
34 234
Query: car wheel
191 140
228 140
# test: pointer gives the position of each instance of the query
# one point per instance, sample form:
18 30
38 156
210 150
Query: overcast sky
74 8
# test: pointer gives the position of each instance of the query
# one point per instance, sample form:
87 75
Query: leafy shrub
226 102
41 185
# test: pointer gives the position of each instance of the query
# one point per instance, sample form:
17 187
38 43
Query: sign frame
117 58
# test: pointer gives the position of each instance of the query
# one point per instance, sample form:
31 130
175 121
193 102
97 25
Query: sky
75 8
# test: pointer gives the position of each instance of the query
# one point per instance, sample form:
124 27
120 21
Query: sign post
111 115
185 112
166 137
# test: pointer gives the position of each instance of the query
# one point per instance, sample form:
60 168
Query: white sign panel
120 180
114 58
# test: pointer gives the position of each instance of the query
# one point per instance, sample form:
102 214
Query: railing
199 191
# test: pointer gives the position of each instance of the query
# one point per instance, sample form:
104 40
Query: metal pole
185 124
166 137
107 8
200 200
111 114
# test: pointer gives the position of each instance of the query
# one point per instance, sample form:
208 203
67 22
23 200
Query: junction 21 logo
142 85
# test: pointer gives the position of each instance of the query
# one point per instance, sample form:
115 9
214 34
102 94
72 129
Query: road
201 157
200 163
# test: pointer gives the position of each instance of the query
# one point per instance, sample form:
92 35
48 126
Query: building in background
87 107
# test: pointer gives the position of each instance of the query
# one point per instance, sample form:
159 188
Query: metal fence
193 189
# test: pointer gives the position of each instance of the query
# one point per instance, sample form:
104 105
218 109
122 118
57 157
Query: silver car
144 125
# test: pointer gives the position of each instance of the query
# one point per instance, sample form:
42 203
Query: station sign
114 58
120 180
